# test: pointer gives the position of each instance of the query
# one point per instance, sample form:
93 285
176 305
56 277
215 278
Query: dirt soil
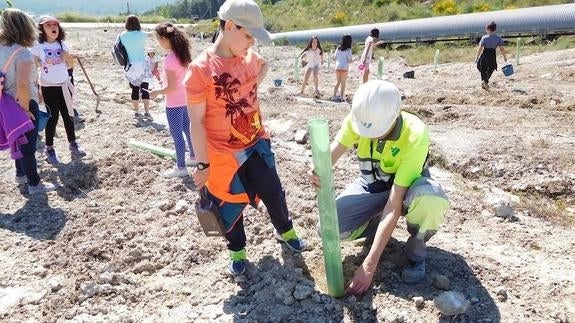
120 243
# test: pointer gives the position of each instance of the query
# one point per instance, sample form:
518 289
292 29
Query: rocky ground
119 243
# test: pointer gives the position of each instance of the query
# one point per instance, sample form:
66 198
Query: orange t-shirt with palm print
229 88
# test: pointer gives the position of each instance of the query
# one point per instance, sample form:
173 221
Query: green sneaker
291 240
237 265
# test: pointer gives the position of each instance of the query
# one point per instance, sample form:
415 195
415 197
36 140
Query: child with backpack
177 45
19 124
56 88
235 163
134 41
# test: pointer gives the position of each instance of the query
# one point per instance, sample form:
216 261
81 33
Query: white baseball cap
246 14
374 109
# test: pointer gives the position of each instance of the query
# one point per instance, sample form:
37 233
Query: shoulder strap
10 59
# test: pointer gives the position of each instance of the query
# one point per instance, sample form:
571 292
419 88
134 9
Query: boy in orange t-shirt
235 162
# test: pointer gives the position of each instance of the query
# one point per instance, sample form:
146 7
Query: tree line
189 9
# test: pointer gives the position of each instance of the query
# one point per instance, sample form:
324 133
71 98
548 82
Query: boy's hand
200 177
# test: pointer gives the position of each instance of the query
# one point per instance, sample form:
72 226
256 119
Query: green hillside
288 15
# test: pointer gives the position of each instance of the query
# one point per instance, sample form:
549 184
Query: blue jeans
424 207
27 164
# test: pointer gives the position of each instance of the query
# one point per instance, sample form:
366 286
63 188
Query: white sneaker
176 172
191 161
20 179
42 187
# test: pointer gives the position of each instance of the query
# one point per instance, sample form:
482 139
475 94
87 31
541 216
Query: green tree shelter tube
160 151
380 68
319 138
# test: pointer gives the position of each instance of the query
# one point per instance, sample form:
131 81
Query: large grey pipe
545 20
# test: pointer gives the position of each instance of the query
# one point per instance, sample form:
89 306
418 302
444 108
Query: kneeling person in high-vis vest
392 149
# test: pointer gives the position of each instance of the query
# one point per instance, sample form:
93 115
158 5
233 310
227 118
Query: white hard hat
374 109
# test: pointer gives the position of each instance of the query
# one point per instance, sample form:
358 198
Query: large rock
451 303
504 210
441 282
301 136
302 291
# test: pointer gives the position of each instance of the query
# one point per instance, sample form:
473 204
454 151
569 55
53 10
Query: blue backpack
120 53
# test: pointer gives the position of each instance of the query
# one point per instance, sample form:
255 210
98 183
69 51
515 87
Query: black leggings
486 73
56 104
136 90
264 180
487 64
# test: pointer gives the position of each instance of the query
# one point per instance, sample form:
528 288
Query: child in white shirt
312 58
342 59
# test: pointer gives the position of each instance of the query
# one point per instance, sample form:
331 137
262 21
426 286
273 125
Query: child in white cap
56 88
235 163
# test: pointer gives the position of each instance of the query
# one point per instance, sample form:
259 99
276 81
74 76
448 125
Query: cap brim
49 20
366 132
260 34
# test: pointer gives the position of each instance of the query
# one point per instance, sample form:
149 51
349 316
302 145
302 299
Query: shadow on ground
78 178
276 292
35 219
462 278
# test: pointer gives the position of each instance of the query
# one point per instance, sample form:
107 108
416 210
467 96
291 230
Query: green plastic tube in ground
380 68
160 151
296 63
518 52
435 60
329 227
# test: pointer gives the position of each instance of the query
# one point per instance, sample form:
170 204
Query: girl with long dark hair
178 57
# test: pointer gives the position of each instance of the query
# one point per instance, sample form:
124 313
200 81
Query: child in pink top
176 62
